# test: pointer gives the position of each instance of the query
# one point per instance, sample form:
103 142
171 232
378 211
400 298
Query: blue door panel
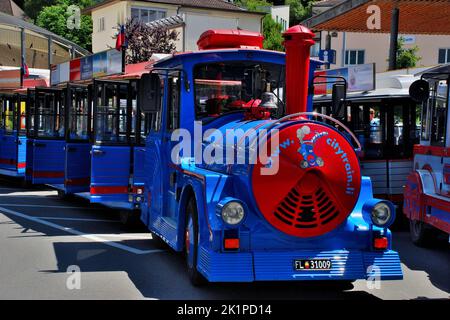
78 167
29 160
138 166
48 161
110 174
8 158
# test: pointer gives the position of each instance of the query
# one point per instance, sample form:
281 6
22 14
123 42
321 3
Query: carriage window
111 116
173 103
153 120
50 114
221 88
8 114
79 115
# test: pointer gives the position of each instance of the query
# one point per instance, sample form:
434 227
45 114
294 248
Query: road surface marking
45 206
79 233
79 219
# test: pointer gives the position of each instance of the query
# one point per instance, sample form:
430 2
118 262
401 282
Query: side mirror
338 100
419 90
150 92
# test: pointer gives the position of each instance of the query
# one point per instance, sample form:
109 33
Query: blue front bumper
279 266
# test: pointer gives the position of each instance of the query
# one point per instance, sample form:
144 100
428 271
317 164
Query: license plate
312 264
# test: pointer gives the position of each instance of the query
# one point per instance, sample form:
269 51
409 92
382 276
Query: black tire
194 275
421 234
63 196
129 218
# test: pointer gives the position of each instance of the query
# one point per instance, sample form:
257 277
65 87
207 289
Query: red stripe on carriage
13 162
77 181
109 190
48 174
8 161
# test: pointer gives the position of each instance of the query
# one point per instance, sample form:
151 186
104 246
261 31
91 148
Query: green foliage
253 5
273 40
406 58
299 10
54 18
33 7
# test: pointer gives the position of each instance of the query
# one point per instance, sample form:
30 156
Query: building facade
190 18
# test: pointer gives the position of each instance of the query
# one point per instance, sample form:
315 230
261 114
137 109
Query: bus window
439 114
398 125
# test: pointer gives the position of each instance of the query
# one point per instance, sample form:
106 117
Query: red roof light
224 39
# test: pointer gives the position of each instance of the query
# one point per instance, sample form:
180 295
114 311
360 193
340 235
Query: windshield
221 88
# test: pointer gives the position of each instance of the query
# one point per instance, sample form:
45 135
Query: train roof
392 84
179 58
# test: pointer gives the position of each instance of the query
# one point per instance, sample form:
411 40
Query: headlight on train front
381 213
231 211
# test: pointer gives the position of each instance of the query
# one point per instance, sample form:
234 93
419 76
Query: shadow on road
418 259
162 275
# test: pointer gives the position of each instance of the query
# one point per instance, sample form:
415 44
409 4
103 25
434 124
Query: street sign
328 56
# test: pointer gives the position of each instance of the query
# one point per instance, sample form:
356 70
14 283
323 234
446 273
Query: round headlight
381 214
233 213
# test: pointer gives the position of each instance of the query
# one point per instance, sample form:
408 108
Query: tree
300 10
55 19
406 58
33 7
273 39
143 40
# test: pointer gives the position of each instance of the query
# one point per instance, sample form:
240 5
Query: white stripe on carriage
79 233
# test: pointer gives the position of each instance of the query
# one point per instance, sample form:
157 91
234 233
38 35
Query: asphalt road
42 237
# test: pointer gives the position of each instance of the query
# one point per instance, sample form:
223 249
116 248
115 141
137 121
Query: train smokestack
297 41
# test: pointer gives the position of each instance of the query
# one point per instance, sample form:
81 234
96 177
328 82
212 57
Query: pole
22 55
49 49
328 47
394 39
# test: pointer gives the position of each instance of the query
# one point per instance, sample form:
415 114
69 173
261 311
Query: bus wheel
421 234
191 243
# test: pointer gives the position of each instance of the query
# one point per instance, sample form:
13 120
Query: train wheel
63 195
421 234
129 218
191 243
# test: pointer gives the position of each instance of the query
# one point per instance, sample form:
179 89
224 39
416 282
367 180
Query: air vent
307 210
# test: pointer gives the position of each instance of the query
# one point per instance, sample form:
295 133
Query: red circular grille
316 185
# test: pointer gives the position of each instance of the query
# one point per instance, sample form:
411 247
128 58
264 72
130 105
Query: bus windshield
221 88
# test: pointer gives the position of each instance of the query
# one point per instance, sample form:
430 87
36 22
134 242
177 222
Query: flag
121 40
25 71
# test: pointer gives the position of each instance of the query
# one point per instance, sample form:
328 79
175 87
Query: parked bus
427 193
387 123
